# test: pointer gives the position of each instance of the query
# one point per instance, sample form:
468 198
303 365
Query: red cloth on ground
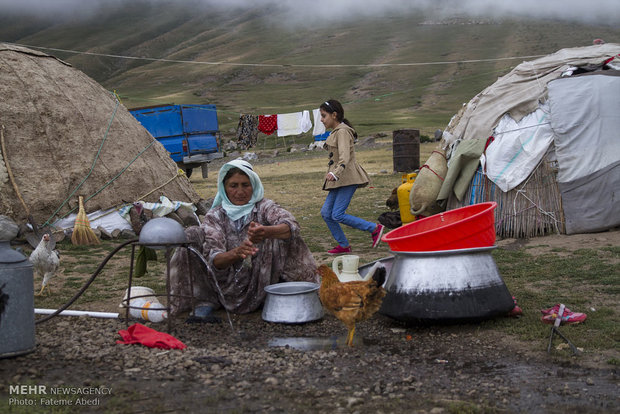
140 334
267 124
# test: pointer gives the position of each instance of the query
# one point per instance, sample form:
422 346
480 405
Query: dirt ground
563 244
392 367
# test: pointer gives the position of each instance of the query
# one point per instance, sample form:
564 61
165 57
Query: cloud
56 9
590 12
329 11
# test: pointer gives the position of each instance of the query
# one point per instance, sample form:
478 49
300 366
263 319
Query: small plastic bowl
461 228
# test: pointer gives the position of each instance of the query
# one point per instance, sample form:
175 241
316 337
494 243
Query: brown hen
392 201
352 302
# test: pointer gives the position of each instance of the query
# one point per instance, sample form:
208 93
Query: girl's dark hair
231 172
331 106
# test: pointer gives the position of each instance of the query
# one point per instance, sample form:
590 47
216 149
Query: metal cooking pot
447 285
17 334
292 302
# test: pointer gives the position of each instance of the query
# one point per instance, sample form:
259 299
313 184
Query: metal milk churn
16 303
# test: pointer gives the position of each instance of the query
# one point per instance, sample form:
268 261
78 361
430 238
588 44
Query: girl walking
344 176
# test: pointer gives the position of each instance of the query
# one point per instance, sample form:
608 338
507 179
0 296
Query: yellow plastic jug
403 198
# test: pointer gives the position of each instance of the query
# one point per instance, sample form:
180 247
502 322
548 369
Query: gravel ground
392 368
465 368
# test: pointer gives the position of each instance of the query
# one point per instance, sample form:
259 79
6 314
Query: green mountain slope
451 59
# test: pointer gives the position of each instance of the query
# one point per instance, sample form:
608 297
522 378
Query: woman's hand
257 232
330 176
245 249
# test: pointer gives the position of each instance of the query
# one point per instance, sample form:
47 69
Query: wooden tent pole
10 172
35 228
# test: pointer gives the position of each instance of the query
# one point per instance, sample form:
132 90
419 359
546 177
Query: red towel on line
267 124
140 334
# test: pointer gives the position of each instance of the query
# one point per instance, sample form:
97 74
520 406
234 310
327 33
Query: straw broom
82 233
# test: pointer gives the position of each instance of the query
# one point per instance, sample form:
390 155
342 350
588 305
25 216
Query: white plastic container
152 311
142 291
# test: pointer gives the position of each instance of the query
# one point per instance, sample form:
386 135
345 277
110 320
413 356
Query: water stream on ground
210 271
314 343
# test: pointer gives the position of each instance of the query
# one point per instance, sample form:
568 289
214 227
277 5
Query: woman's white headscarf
233 211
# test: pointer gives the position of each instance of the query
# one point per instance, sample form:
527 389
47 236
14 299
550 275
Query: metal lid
162 230
292 288
8 255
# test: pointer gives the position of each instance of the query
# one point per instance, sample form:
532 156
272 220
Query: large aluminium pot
292 302
17 334
448 285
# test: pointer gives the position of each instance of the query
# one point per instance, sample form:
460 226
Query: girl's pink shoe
340 250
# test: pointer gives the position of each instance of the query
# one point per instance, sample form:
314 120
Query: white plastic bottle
152 311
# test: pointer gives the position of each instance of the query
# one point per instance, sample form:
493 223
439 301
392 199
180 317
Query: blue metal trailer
190 133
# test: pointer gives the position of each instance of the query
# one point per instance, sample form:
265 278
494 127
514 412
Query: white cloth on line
294 123
305 123
319 128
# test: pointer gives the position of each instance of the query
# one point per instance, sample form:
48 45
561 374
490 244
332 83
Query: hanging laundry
319 128
306 123
288 124
294 123
322 137
267 124
247 131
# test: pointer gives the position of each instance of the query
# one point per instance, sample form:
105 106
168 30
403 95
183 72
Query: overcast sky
588 11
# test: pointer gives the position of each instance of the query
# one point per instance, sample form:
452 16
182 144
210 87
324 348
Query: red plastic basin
461 228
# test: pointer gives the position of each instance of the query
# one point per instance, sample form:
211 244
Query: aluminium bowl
292 302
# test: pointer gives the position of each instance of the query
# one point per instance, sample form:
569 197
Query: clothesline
293 123
371 97
280 65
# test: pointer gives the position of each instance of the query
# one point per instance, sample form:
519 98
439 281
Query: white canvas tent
553 162
585 118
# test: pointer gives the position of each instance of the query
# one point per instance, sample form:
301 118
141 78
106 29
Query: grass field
244 61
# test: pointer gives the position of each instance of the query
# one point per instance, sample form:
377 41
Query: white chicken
45 262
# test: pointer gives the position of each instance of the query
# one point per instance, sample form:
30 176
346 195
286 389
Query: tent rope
431 170
179 173
105 137
120 172
115 209
112 180
521 128
540 85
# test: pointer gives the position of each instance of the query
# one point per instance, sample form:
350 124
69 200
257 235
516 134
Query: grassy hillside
378 99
